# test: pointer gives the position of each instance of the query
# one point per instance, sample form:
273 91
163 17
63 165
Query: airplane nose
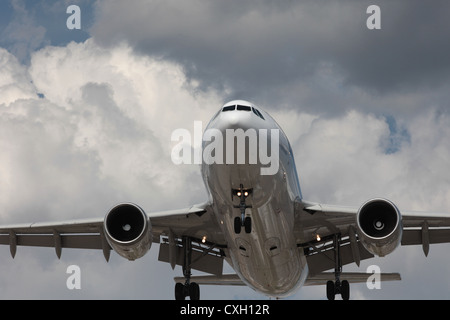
233 119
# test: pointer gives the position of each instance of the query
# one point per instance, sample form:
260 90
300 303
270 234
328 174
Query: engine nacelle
379 225
128 230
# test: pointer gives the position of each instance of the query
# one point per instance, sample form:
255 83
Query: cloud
343 160
86 125
278 52
15 82
100 135
23 35
28 25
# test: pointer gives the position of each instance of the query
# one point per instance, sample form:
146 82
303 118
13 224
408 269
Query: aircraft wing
166 226
325 221
83 234
351 277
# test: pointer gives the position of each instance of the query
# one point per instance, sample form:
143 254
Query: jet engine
379 225
128 230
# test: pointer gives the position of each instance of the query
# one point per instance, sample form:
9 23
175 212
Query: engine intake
379 225
128 230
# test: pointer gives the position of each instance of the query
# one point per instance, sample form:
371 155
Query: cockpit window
256 111
243 108
228 108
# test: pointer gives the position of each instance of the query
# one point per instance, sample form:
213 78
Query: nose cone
235 120
236 114
232 118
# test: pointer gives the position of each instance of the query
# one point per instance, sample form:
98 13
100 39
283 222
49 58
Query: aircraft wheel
345 290
179 292
330 290
248 225
237 225
194 291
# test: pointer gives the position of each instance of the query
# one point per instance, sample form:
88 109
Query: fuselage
245 149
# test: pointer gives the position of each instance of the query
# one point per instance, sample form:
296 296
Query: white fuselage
266 259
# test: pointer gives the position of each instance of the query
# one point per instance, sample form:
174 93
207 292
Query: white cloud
100 136
342 161
345 158
14 80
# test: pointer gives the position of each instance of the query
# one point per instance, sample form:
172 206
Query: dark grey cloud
277 52
410 50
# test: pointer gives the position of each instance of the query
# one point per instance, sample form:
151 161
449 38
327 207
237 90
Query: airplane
255 219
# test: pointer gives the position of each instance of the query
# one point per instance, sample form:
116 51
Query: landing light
204 239
318 237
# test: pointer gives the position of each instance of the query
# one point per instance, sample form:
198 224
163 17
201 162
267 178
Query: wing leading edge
170 227
324 221
82 234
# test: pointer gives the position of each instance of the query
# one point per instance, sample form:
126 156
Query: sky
86 118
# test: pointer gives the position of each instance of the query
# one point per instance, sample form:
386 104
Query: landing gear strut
338 287
242 221
188 289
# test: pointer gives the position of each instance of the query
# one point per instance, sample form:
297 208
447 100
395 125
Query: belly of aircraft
267 259
276 276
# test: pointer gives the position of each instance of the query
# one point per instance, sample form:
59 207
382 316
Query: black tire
237 225
345 290
330 290
194 291
179 292
248 225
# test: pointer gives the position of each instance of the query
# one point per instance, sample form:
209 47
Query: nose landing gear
242 221
238 225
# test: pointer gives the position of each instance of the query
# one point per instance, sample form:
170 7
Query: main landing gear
191 290
242 221
338 287
188 289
